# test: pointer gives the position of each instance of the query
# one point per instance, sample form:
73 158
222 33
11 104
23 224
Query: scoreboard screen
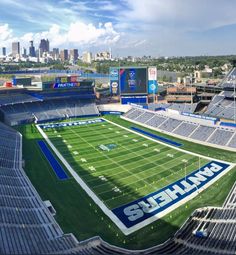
66 79
133 81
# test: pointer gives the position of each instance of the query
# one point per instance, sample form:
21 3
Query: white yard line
130 183
133 168
164 178
150 169
133 174
101 152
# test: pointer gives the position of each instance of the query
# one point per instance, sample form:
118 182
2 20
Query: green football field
118 165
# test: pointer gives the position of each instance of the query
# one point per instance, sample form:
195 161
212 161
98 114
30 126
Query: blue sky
129 27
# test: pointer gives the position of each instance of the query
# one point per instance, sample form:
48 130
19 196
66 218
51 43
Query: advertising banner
152 80
152 87
152 73
114 80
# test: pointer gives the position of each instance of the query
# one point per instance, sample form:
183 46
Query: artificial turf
77 213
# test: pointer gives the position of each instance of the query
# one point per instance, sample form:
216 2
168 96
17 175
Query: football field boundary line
189 139
107 211
166 144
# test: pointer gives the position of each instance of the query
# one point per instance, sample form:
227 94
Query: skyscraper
64 55
32 52
15 49
24 52
43 46
4 51
87 57
55 53
74 55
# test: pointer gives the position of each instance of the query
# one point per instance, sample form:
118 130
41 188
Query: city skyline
151 27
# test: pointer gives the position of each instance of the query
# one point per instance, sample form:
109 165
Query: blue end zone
71 123
156 202
53 162
157 137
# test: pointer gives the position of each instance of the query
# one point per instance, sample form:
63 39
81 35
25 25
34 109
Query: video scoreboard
136 81
133 81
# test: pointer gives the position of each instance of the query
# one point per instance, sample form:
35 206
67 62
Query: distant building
4 51
55 53
105 55
24 53
181 94
74 55
87 57
64 55
166 76
15 49
198 75
43 46
32 52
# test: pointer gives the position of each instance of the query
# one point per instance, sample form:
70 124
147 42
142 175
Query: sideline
166 144
222 147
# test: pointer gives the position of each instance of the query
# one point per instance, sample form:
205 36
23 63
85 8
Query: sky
128 27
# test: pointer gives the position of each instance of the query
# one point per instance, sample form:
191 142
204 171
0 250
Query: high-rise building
74 55
43 46
32 52
24 52
4 51
55 53
87 57
64 55
15 49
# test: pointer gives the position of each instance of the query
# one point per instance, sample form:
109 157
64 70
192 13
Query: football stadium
80 176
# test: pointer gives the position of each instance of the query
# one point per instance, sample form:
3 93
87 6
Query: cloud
79 34
82 33
132 27
6 36
5 32
182 14
139 43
